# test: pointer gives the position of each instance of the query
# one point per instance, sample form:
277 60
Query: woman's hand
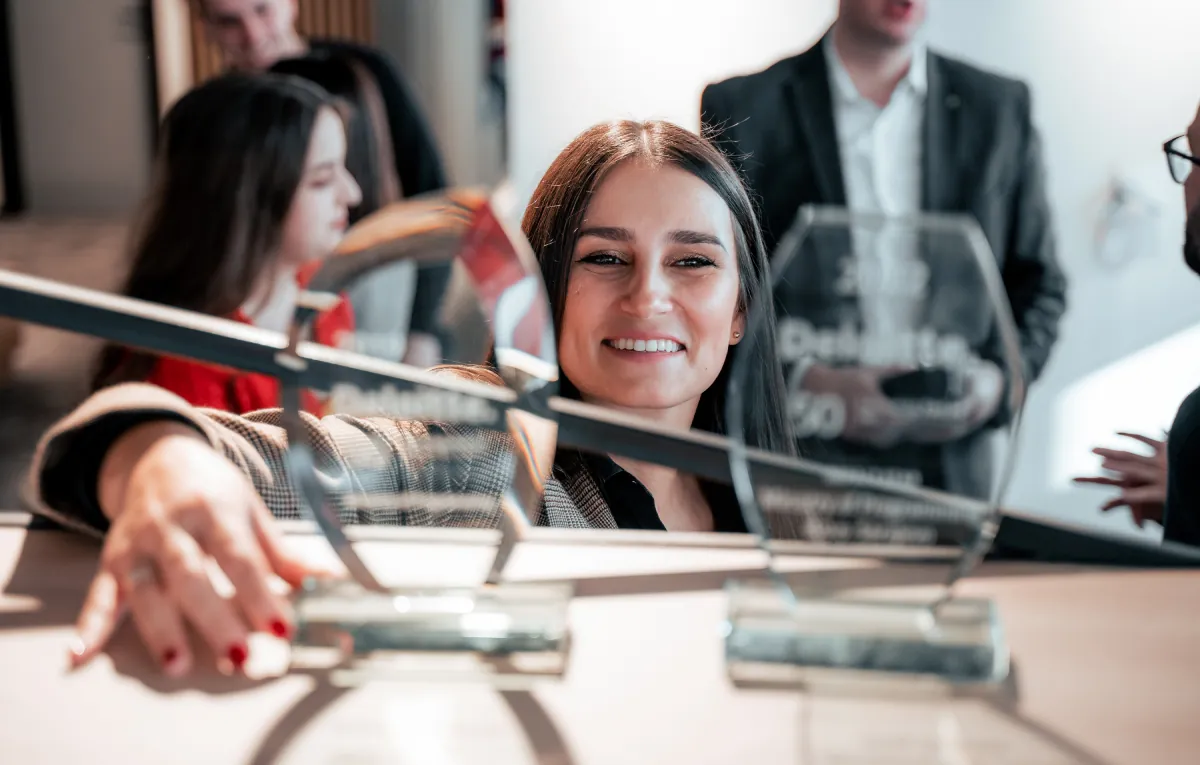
177 507
1141 478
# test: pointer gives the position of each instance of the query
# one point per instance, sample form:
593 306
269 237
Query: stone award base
773 640
507 635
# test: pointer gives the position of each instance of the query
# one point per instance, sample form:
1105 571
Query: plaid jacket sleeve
375 470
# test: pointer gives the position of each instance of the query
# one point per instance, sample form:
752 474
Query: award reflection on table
897 341
477 447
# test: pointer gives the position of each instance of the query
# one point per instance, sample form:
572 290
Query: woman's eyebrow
611 233
322 166
685 236
679 236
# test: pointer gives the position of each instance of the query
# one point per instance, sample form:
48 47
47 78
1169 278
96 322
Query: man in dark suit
871 120
255 34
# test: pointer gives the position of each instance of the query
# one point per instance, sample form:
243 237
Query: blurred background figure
254 35
396 309
252 194
257 35
869 118
1164 486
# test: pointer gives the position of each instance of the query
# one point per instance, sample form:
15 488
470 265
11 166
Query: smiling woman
645 234
652 256
654 304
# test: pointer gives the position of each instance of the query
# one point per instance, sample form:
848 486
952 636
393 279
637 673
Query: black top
418 163
631 503
1181 521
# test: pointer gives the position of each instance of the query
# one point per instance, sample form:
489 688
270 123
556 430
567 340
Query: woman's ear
739 327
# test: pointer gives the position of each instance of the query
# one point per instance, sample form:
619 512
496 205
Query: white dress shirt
881 158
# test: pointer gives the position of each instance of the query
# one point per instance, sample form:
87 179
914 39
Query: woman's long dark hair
232 156
555 216
369 155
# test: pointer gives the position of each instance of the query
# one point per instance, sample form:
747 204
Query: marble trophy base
773 641
510 635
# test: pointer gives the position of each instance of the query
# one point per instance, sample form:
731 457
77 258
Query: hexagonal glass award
435 316
901 363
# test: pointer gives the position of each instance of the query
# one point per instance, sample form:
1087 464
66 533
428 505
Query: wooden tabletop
1105 670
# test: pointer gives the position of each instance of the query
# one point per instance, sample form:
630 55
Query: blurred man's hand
984 389
1140 478
871 417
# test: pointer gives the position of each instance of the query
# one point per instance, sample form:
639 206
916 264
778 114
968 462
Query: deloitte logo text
439 405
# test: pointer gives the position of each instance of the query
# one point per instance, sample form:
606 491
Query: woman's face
317 219
653 292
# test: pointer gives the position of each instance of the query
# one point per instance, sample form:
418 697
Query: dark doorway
10 155
145 22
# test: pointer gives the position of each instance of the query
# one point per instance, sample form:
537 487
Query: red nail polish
169 656
279 629
237 655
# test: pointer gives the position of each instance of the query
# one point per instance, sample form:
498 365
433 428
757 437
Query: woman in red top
251 193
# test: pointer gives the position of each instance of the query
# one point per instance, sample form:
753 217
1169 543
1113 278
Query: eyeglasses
1179 158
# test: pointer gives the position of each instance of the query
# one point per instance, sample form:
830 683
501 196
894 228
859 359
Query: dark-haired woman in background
386 302
652 258
251 190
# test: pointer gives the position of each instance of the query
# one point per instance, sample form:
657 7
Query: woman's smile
644 348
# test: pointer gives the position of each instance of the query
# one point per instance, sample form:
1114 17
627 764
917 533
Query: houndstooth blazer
352 456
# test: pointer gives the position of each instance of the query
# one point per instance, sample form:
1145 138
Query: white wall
574 63
82 106
1112 80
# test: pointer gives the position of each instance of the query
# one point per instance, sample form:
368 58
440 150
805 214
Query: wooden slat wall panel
336 19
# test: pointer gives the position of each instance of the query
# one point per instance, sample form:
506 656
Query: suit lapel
942 158
810 280
812 114
950 155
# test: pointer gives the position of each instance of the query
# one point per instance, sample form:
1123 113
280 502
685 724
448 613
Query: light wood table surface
1106 670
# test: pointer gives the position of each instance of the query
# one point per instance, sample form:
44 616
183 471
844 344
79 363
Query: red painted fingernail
279 629
78 650
169 656
237 655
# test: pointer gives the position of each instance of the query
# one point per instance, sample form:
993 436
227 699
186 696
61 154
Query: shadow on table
956 743
850 578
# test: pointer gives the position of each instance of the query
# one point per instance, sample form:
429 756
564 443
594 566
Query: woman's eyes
614 259
602 259
694 261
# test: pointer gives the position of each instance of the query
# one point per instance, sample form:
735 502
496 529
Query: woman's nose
255 33
351 192
649 293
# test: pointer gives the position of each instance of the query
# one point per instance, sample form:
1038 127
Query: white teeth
645 346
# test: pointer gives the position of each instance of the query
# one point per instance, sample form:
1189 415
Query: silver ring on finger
142 573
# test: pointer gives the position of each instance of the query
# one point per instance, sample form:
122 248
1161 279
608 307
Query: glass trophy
437 319
900 364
